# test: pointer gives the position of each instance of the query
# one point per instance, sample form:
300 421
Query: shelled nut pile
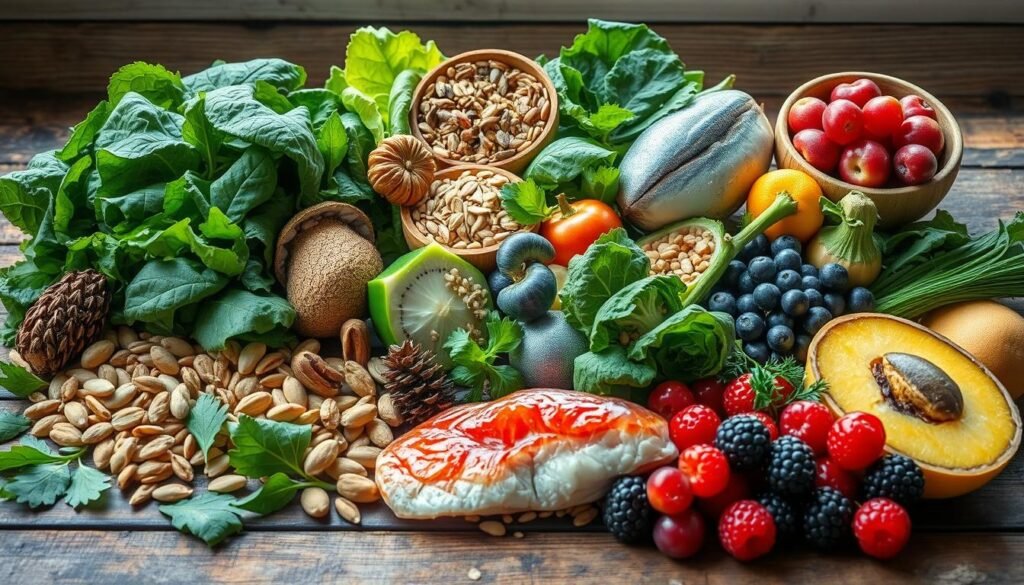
465 212
483 112
131 394
686 253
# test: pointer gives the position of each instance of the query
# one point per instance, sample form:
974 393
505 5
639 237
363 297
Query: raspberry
627 513
828 474
856 440
669 397
737 489
707 469
773 430
746 530
693 425
882 528
785 514
738 396
827 518
895 477
745 441
709 393
808 421
791 467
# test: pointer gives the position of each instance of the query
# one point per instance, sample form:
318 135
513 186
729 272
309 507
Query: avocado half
426 295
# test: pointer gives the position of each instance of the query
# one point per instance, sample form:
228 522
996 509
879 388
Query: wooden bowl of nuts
486 107
463 213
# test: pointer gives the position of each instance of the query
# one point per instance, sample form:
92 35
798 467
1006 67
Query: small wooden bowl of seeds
486 107
463 212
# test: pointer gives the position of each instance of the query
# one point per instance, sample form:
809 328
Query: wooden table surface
52 73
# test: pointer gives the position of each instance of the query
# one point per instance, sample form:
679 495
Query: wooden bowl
897 206
482 258
519 161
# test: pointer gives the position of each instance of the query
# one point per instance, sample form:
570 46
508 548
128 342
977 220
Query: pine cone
68 316
418 384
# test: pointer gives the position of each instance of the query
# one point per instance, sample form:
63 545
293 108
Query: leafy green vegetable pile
930 264
175 188
33 474
638 325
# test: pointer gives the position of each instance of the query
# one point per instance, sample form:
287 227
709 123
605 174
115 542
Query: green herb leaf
19 381
609 264
87 485
265 447
40 485
30 452
209 517
525 202
12 424
601 183
332 141
206 419
276 493
84 133
475 365
565 159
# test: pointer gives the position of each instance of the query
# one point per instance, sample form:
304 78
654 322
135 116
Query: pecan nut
316 374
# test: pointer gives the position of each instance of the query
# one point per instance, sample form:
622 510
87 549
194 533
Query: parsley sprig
475 366
35 475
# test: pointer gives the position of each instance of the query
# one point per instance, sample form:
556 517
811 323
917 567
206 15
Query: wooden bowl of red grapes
873 133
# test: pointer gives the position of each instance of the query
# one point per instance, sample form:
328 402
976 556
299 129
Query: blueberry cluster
779 302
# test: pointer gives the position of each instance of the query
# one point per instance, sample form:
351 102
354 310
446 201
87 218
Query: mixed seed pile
686 253
581 515
483 112
465 212
131 394
473 295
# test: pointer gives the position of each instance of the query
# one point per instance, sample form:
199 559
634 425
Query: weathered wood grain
96 558
953 11
768 60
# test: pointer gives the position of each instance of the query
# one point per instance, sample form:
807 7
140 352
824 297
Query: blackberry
827 518
745 441
627 514
895 477
785 514
791 467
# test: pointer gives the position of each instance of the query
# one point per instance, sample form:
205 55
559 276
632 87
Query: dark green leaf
206 419
84 133
166 285
610 372
30 452
332 141
609 264
12 424
40 485
268 95
209 517
25 195
276 493
565 159
525 202
265 447
248 182
87 485
278 73
236 312
690 344
636 309
197 131
19 381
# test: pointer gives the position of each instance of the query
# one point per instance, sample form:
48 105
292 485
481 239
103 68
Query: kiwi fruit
426 295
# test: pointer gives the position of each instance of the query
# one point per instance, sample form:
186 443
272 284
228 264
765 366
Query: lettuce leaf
636 309
691 344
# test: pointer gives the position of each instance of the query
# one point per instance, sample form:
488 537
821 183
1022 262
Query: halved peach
939 405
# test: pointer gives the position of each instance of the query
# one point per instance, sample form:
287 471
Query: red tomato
576 225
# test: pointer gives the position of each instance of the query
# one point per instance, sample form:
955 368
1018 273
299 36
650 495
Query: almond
358 415
142 494
97 408
143 431
154 472
159 407
330 416
41 409
308 418
269 363
315 502
155 448
97 433
98 387
379 432
250 355
347 510
123 454
66 435
122 396
164 360
227 484
98 353
102 453
357 488
182 468
171 492
493 527
43 426
287 412
217 465
359 379
127 418
387 411
343 465
149 384
365 456
127 476
179 402
355 341
254 404
77 414
69 389
177 346
320 457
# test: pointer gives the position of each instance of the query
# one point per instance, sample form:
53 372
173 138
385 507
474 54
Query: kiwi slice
426 295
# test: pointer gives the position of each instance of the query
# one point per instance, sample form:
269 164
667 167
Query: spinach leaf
609 264
248 182
278 73
84 133
197 131
332 140
565 160
610 372
238 313
25 194
135 207
153 82
691 344
167 285
187 196
209 517
321 103
636 309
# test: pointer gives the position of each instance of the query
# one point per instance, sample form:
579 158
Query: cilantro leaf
206 419
526 202
503 380
276 493
210 517
601 183
265 447
87 485
18 380
12 424
32 451
503 335
40 485
474 366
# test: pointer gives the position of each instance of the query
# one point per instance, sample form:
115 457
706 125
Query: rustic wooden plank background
842 11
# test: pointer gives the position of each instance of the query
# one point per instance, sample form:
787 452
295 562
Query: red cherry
669 398
828 474
915 105
858 92
679 536
882 116
693 425
708 391
668 490
856 440
737 489
843 122
808 421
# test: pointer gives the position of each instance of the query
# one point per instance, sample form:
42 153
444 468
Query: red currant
856 440
882 528
738 396
746 530
829 474
668 490
737 489
693 425
669 398
708 392
707 469
808 421
679 536
773 430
